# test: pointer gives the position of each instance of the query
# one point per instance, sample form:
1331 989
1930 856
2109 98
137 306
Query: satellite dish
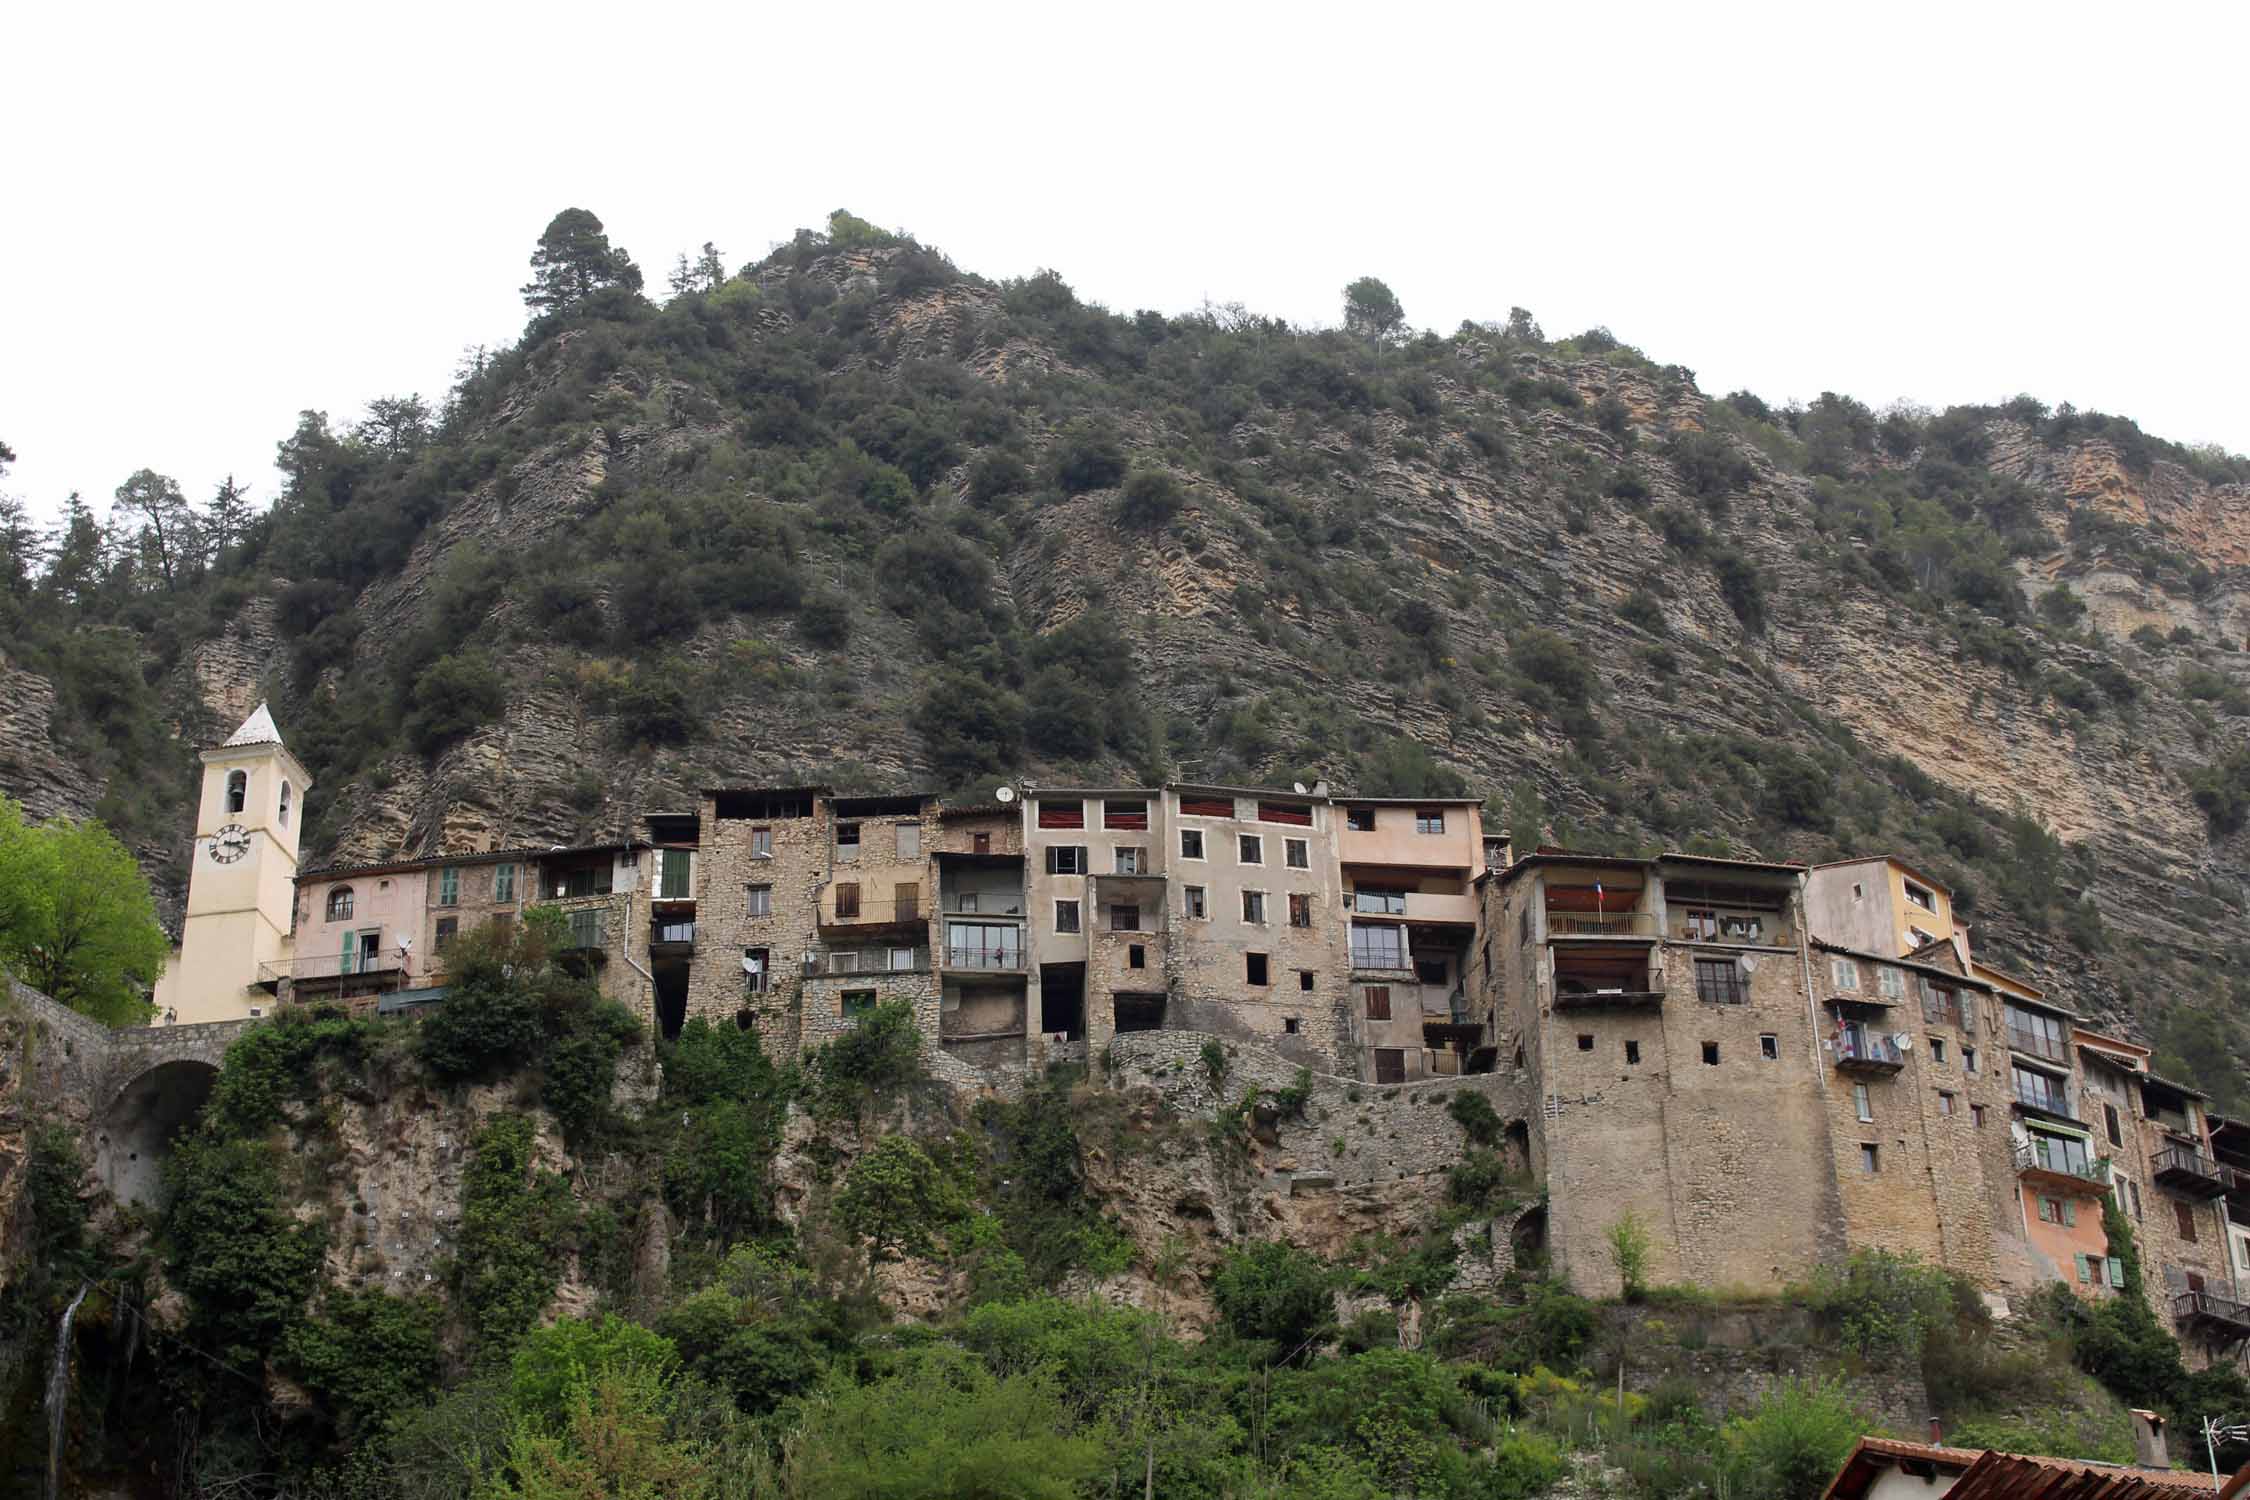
1902 1041
749 966
406 945
1004 794
1747 963
1298 787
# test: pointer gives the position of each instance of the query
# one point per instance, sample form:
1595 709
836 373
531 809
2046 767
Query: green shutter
2116 1269
2070 1216
2084 1274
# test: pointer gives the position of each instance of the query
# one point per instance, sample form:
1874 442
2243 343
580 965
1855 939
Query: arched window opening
340 904
285 804
238 790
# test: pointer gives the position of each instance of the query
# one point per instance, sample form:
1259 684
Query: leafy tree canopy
76 919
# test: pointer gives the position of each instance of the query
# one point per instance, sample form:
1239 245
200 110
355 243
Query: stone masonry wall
725 871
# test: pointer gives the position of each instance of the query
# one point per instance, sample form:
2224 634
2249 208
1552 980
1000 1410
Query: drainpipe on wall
1812 1001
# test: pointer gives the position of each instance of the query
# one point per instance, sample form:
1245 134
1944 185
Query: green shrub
879 1057
1087 456
1479 1180
454 696
370 1357
1151 499
246 1264
572 1352
508 1257
1475 1115
1796 1438
1744 589
1628 1241
1277 1293
1881 1303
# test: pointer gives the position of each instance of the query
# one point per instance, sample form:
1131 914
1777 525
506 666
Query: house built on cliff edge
1766 1065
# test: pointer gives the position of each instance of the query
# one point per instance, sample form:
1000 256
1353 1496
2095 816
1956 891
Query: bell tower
242 879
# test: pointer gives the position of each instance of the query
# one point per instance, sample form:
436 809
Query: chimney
1937 1434
2148 1440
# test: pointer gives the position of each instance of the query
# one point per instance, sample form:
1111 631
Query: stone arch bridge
128 1090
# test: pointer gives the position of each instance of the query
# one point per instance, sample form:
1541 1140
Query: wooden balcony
1571 995
2211 1314
1871 1052
2188 1171
871 916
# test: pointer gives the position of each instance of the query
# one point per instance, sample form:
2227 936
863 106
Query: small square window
1937 1051
1632 1052
1254 967
1944 1102
1870 1158
761 843
1379 1003
1976 1115
1290 1026
760 901
1296 854
1066 916
1191 843
1710 1054
1130 860
1300 910
1429 820
1360 819
1304 979
1769 1046
1136 956
1254 907
447 929
858 1002
1585 1042
1196 902
1250 849
1124 917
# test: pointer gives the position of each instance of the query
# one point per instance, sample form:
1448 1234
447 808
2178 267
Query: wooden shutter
1378 1002
1390 1065
847 898
907 896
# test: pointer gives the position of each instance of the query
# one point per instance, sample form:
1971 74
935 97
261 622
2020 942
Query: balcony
1576 995
337 966
857 963
981 904
1617 924
2055 1171
672 936
1859 1051
2056 1103
2038 1044
2186 1170
985 960
2211 1313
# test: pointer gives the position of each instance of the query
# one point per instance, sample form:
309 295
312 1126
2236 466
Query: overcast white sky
215 216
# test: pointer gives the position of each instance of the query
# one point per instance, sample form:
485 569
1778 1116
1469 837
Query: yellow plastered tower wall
241 877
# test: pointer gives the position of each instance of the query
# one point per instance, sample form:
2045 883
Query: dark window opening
1304 979
1137 1012
1711 1054
1632 1052
1769 1047
1360 819
2109 1120
1124 918
1390 1065
847 899
1254 967
1062 1000
1585 1041
1136 956
238 790
1289 1025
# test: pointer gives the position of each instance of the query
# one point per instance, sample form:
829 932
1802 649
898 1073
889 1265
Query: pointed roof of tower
258 729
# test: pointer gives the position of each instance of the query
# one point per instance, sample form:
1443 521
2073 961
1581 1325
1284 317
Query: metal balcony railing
1004 959
332 966
2055 1101
879 909
1867 1049
2038 1044
2094 1170
853 963
1561 924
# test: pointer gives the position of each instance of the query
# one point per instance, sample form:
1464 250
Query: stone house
1409 871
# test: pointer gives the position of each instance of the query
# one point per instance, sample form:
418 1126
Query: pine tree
76 547
575 260
170 540
229 515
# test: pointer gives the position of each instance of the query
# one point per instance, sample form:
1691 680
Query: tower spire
258 729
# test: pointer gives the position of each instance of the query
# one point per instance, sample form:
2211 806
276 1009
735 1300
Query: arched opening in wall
135 1134
238 790
1528 1237
1517 1137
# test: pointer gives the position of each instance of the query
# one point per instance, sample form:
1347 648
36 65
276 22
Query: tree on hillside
171 537
575 260
229 515
75 552
394 425
706 273
1372 311
76 920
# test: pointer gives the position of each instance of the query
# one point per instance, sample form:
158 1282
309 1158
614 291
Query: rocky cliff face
1494 486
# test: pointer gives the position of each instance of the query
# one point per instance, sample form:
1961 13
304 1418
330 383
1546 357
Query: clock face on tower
230 843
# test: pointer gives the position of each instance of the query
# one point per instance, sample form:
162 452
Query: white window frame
1259 897
1131 859
757 900
1195 903
1077 918
1196 853
1843 973
1863 1104
1247 842
1296 854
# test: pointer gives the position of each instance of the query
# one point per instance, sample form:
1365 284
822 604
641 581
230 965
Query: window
1254 907
2040 1090
1632 1053
1296 854
1430 970
1769 1046
2109 1122
674 874
1285 812
340 904
1937 1051
1254 968
1378 902
1191 843
1304 979
1289 1025
2115 1269
1195 901
1250 849
1377 945
1360 819
587 927
1390 1065
1585 1042
1944 1102
285 804
2184 1213
1891 983
1718 981
2059 1153
1124 917
1066 859
1378 1002
1862 1106
1870 1159
1129 860
1920 897
847 841
1843 973
1129 815
909 842
447 929
1710 1054
1136 956
449 886
503 882
1429 820
761 843
760 903
1066 916
1920 938
1062 815
857 1002
1207 807
238 790
1300 910
847 899
2136 1191
980 843
1976 1113
2050 1210
1968 1059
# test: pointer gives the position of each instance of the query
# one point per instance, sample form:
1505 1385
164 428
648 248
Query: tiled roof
258 729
